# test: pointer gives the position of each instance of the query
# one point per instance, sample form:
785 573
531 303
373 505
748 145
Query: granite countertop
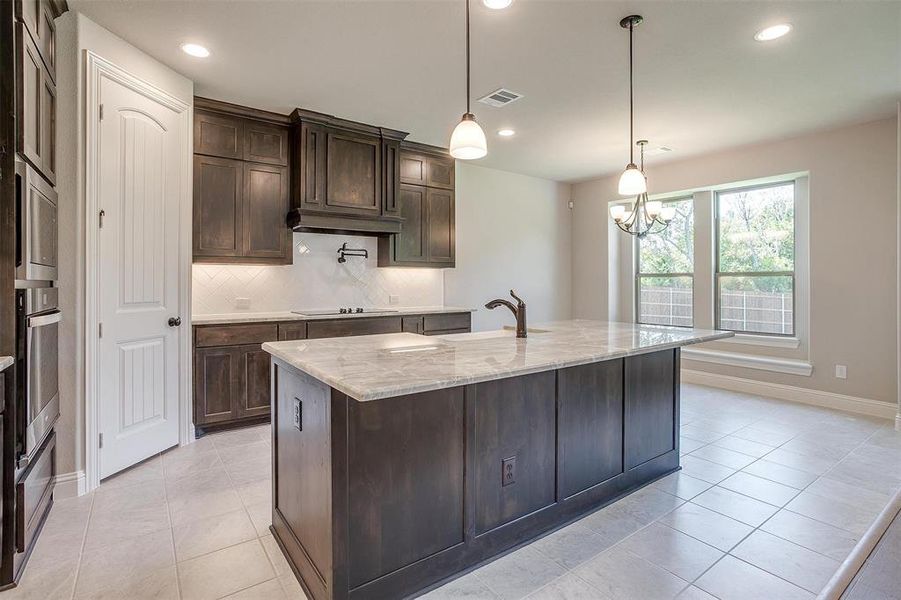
6 361
261 317
380 366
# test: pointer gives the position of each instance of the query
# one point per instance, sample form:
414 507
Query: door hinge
101 441
101 112
100 217
99 329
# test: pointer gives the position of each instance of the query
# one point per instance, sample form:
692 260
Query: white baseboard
69 485
898 422
863 406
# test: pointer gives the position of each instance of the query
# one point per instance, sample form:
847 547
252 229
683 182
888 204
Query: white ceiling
702 82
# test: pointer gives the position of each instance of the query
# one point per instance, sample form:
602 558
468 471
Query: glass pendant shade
617 211
468 140
631 182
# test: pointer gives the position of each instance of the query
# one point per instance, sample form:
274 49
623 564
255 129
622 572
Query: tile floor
771 498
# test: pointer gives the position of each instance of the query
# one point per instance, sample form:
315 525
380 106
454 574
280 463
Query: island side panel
406 469
651 410
302 476
590 425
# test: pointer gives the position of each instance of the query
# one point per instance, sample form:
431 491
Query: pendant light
644 216
632 181
468 140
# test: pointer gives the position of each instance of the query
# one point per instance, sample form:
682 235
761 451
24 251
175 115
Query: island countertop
382 366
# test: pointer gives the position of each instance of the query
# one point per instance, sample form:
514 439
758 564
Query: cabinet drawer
292 331
33 494
234 335
445 322
356 326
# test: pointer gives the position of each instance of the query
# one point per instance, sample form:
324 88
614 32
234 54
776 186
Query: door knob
174 321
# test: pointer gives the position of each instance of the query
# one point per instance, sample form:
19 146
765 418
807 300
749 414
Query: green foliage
672 250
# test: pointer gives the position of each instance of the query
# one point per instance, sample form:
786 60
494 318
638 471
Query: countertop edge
363 396
6 362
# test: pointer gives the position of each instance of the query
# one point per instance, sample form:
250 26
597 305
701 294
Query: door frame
97 68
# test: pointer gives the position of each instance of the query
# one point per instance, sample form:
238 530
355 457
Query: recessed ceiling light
771 33
497 4
506 132
195 50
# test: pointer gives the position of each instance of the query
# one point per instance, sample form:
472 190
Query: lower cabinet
231 384
232 371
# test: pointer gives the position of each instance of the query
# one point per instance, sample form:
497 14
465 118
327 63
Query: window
665 270
755 259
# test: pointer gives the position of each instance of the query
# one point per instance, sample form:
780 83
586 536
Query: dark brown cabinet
345 175
241 186
38 17
231 370
426 203
35 106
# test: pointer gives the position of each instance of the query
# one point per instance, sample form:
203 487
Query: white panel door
139 184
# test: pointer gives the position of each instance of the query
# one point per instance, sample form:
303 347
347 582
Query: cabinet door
410 245
440 173
48 129
353 174
413 168
215 373
265 207
218 135
391 191
411 324
265 143
218 207
650 407
253 381
37 15
29 92
440 225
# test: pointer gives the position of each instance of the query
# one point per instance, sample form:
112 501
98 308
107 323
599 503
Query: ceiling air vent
657 151
500 97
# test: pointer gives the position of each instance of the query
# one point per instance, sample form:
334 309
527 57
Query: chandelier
643 216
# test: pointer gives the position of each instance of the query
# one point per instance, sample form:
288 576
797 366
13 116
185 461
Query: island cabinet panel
514 423
405 465
590 413
302 467
650 406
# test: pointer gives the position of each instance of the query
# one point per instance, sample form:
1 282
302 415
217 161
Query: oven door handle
41 320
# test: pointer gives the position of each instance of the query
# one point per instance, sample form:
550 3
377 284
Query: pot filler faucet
519 311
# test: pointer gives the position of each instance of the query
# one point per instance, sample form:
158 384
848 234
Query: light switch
242 303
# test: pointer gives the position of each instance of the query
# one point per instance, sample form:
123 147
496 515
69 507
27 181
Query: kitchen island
400 460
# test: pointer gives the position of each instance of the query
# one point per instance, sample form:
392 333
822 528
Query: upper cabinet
345 175
426 203
38 17
36 96
241 185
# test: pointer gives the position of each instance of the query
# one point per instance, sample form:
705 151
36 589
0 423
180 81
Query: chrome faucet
519 311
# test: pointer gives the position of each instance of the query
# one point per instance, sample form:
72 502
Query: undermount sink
506 332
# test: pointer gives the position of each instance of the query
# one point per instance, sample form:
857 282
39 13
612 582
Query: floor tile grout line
84 539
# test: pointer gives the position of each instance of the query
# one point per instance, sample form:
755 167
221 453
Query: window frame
639 275
717 273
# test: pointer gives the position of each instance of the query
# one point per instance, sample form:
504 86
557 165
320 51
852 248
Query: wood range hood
345 176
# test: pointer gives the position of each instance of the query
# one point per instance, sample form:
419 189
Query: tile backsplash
315 280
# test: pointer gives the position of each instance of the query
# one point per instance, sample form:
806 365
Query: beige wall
513 231
853 255
76 34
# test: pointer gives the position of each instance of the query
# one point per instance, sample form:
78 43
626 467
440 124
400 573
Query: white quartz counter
261 317
381 366
6 361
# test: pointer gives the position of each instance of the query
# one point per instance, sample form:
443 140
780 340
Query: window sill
749 361
770 341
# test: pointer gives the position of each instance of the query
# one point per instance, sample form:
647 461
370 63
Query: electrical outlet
242 303
841 371
392 299
508 471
